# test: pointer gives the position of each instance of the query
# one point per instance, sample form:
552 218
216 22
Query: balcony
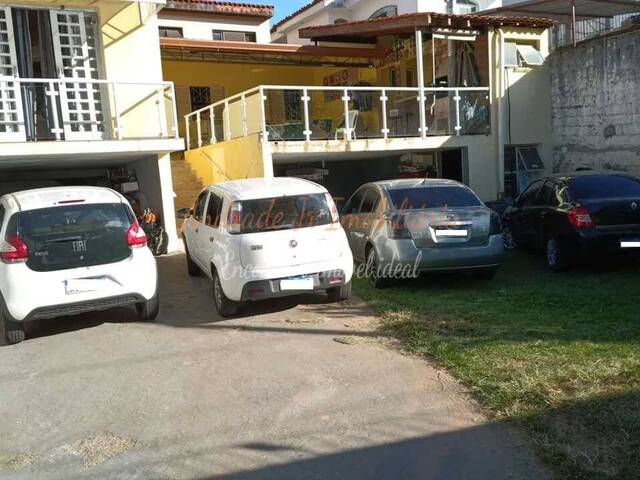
341 114
72 110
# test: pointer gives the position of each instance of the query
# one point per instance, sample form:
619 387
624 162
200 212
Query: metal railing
67 109
561 35
294 113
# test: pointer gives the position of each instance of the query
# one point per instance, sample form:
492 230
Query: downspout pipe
500 92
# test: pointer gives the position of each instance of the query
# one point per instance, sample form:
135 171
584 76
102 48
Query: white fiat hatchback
267 237
69 250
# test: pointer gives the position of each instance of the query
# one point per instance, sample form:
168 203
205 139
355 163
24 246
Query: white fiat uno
69 250
267 237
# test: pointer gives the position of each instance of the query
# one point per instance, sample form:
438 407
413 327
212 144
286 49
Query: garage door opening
343 177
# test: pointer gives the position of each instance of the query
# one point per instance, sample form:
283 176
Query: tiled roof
410 21
219 7
295 14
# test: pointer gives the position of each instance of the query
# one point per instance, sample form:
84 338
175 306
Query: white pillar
421 94
168 206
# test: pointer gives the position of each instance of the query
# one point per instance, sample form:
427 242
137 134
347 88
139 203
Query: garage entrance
343 176
138 180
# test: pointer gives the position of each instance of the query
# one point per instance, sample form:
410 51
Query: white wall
200 27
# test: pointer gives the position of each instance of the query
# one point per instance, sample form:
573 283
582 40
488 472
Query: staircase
186 185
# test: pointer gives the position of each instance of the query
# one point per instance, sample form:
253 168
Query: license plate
84 285
451 233
297 283
630 243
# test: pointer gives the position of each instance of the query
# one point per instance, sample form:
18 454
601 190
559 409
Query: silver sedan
399 228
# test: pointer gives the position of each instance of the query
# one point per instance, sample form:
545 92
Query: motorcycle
157 238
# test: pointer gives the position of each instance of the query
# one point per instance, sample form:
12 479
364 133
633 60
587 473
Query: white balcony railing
68 109
292 113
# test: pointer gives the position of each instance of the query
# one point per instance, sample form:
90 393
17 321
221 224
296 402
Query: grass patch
559 353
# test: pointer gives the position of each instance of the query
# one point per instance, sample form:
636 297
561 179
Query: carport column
421 94
168 206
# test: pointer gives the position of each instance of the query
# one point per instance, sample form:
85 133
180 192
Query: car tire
148 310
485 273
225 306
371 270
12 332
192 268
556 255
340 294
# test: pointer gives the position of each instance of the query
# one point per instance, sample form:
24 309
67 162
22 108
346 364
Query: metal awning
567 11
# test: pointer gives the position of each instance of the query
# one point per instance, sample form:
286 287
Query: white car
69 250
267 237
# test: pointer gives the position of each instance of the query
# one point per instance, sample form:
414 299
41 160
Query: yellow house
83 101
464 97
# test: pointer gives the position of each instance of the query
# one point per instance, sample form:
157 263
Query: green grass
558 353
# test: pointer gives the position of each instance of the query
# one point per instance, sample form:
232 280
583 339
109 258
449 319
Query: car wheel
192 267
556 257
12 332
225 306
509 240
485 273
373 272
340 294
148 311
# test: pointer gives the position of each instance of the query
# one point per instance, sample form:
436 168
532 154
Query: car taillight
496 224
135 236
397 227
235 218
13 250
332 208
579 217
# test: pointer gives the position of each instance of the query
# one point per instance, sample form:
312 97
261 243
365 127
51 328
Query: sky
284 7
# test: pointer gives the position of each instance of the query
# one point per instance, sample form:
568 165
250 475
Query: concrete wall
596 104
197 26
233 160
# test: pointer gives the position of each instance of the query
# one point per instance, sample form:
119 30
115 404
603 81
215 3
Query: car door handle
197 230
211 239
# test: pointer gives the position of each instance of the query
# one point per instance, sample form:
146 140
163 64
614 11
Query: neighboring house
82 95
325 12
352 106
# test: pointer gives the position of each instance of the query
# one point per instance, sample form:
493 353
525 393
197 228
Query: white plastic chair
353 121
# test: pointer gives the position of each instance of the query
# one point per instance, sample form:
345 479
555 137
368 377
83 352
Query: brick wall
596 104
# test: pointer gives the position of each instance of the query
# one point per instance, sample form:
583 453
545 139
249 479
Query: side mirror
184 213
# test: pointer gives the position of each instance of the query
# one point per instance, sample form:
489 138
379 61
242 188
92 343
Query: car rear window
285 213
432 197
603 186
73 236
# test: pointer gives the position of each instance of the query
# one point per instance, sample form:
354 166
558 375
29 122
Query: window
394 77
214 210
171 32
462 7
231 36
370 203
517 55
410 78
353 205
200 97
547 195
529 159
292 105
74 236
529 195
432 197
603 186
388 11
285 213
198 211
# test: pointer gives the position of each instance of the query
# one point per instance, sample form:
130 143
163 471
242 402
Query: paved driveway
295 389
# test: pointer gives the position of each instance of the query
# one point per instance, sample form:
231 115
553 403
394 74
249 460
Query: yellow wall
233 160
